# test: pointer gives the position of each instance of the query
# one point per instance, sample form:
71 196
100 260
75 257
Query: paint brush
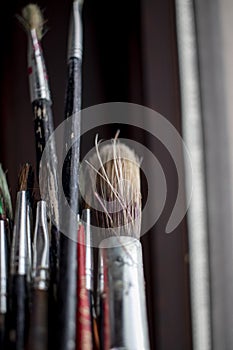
27 172
19 266
114 174
67 297
33 22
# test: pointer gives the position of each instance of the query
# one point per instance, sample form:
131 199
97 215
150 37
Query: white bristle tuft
33 19
114 175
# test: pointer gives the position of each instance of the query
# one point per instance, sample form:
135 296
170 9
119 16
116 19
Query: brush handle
84 331
73 92
54 256
43 125
72 108
2 331
68 248
19 312
38 327
103 322
67 294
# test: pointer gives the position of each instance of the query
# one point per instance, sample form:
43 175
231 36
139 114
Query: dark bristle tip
26 178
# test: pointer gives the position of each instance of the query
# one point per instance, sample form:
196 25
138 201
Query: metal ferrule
3 268
38 79
100 285
29 244
122 260
19 244
89 268
75 41
41 249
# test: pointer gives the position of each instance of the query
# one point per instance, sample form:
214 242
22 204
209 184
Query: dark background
130 55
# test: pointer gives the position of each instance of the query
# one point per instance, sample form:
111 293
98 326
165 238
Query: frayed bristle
114 174
33 19
26 178
5 194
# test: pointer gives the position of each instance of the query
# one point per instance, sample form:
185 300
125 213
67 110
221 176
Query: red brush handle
84 334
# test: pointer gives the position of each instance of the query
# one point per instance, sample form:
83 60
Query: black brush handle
67 293
38 326
72 108
43 126
19 312
2 331
74 86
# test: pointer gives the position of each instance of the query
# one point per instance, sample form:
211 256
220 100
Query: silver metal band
75 44
122 259
41 248
19 244
38 79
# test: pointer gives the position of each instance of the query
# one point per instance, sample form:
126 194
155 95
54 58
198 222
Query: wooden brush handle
2 331
19 312
38 327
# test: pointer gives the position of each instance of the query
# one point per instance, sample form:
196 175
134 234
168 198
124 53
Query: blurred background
174 56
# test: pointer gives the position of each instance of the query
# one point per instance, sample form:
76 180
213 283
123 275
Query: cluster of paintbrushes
55 292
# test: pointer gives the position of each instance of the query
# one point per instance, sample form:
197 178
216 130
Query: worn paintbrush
33 21
20 265
67 297
114 176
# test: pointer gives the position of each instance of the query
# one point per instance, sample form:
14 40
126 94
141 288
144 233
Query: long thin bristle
25 178
114 173
33 19
5 194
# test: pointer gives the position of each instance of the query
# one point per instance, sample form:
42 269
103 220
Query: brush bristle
5 194
33 19
114 174
2 208
25 177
